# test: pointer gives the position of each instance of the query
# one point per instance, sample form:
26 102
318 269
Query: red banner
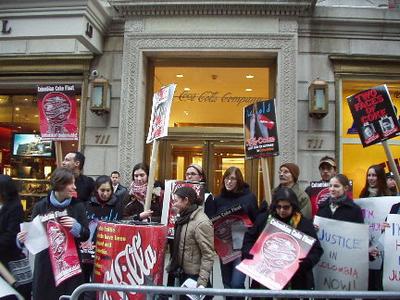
276 255
63 254
129 255
226 224
57 112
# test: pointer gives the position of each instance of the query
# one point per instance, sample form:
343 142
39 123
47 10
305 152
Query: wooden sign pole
392 164
59 157
6 274
150 179
266 180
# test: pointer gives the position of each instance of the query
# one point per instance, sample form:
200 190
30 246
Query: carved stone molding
134 25
133 95
215 7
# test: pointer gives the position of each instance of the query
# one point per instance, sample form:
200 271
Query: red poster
169 214
276 255
63 254
224 228
129 255
57 112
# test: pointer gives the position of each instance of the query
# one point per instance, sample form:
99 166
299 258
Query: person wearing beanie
285 207
288 176
192 254
391 184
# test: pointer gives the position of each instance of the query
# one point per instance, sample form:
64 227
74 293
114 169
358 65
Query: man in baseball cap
327 169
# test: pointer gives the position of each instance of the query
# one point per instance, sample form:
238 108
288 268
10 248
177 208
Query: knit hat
293 169
188 192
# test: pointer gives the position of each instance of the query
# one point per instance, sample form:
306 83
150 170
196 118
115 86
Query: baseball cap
327 160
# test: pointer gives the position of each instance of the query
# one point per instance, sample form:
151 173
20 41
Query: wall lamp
318 99
100 96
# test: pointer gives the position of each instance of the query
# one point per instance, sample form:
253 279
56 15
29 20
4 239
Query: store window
356 159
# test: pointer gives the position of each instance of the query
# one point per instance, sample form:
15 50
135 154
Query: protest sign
375 211
260 130
129 255
63 254
160 113
337 268
57 112
374 115
169 215
391 262
276 255
228 233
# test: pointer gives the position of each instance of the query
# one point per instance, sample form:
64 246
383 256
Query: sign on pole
276 255
342 243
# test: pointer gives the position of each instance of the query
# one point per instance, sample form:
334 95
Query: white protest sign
375 211
391 262
342 243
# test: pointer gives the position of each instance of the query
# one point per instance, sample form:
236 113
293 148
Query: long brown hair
239 179
383 189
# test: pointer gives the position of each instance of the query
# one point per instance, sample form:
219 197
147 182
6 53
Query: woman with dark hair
133 203
102 206
235 192
60 200
195 172
11 215
192 254
375 183
286 208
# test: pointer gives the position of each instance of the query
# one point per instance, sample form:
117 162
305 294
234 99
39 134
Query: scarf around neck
139 191
58 204
373 192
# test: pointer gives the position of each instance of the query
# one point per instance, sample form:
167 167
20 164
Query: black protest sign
374 115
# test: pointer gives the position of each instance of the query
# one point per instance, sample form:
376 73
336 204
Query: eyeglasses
284 207
230 179
192 174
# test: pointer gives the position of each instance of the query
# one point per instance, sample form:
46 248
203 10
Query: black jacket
348 211
11 215
395 209
43 285
109 211
303 279
120 192
227 200
84 187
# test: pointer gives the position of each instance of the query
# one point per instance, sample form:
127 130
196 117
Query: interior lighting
249 76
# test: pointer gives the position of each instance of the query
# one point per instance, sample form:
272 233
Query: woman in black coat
58 200
11 215
285 208
234 192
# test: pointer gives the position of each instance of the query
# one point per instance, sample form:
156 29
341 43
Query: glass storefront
356 159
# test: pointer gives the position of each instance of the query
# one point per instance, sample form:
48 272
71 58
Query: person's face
230 182
391 183
284 209
68 191
115 179
140 177
336 189
326 171
180 204
193 174
386 125
104 191
368 132
285 177
69 162
372 178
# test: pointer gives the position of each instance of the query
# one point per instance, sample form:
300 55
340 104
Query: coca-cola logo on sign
131 266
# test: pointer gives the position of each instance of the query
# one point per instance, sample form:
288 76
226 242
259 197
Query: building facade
222 56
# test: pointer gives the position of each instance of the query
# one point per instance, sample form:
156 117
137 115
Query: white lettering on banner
131 265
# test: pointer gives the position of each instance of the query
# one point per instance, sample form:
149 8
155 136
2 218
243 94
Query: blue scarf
58 204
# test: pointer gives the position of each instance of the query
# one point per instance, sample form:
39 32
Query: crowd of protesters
192 250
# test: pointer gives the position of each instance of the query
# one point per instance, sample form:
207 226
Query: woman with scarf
133 203
73 219
375 186
193 252
285 207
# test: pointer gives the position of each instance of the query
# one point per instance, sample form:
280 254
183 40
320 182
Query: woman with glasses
235 192
195 172
285 207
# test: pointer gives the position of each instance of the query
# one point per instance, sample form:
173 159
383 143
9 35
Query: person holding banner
194 172
192 254
375 183
285 207
133 203
67 226
235 192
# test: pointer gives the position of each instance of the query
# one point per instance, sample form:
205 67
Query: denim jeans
232 278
